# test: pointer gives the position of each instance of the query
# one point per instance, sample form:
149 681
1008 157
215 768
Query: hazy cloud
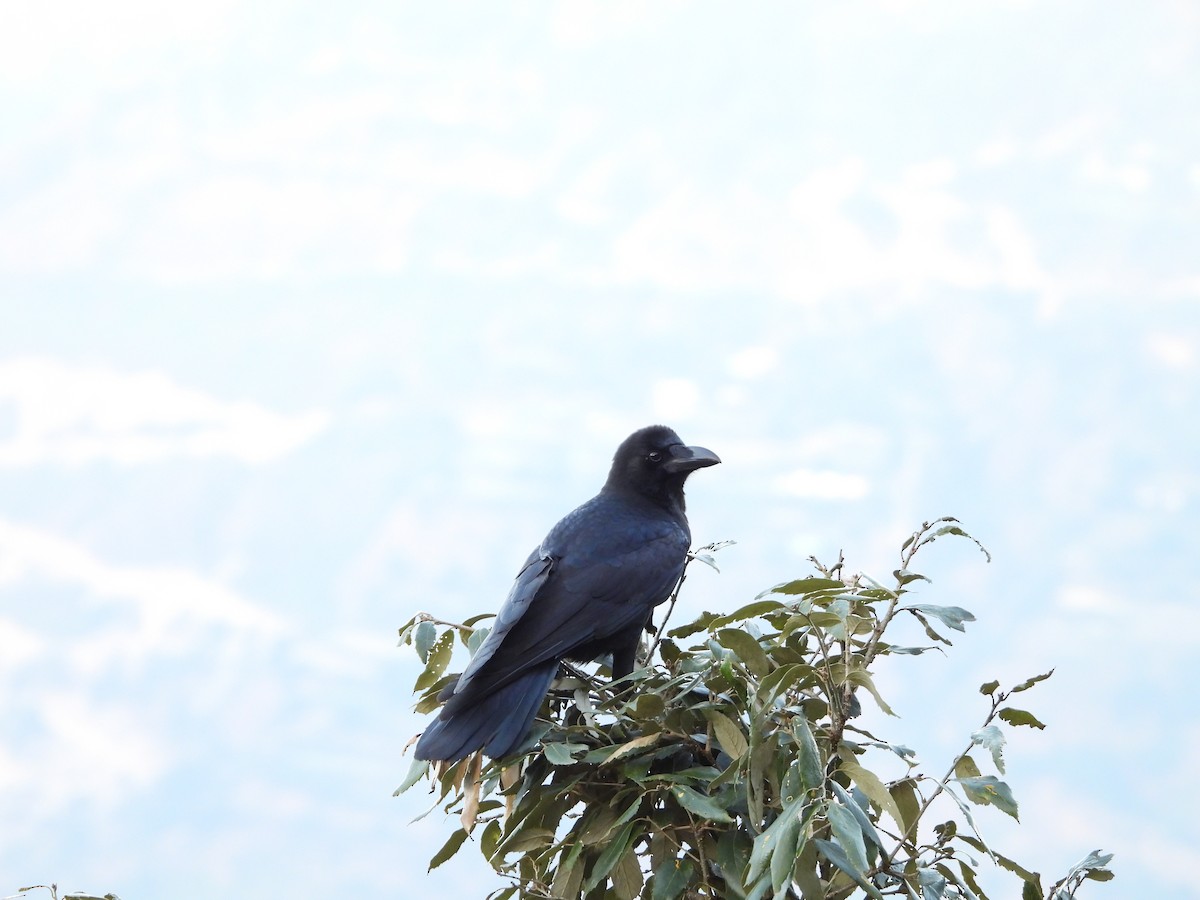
56 412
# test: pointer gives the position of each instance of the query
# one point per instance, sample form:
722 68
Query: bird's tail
497 722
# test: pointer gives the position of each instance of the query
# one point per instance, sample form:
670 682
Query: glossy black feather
586 591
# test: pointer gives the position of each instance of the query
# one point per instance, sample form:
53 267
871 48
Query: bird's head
654 463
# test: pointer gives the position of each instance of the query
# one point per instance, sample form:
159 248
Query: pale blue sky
314 317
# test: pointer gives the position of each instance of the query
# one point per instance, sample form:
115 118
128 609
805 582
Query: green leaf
860 815
627 875
672 878
804 873
729 733
477 637
968 879
989 688
933 635
562 754
989 789
439 657
597 822
904 794
648 707
448 849
749 611
748 649
771 840
868 782
1005 863
805 586
933 883
966 767
837 856
1094 865
569 877
812 767
783 679
636 744
695 802
784 855
733 856
423 639
951 616
992 738
490 839
959 532
903 576
609 856
701 623
863 679
905 651
1020 717
1030 682
848 835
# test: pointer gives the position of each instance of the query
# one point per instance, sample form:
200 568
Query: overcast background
317 315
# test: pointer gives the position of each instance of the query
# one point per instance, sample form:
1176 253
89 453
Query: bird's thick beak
688 459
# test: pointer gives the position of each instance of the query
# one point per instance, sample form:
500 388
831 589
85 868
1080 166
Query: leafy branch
731 765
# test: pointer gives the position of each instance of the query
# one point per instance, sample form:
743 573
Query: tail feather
497 722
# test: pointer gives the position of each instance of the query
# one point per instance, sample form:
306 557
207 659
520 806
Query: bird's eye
654 456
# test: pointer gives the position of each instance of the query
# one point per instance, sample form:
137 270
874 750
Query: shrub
732 764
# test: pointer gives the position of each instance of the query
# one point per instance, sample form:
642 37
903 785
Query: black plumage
588 590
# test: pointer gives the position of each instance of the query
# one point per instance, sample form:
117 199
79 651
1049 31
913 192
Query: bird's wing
558 603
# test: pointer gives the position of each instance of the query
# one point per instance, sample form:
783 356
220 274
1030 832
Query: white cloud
42 40
812 242
20 645
1087 598
1133 177
585 22
820 484
1175 351
674 399
753 362
92 736
62 413
170 605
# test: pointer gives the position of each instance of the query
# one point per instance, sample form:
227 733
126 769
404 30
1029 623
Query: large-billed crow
588 590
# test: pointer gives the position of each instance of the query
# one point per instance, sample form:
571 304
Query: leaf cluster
732 765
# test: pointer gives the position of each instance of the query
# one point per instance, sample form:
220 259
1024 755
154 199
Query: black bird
588 590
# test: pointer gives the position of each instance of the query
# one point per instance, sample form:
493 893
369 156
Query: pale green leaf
868 782
951 616
415 773
750 611
837 856
423 638
562 754
699 804
748 649
991 738
729 733
848 834
988 789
